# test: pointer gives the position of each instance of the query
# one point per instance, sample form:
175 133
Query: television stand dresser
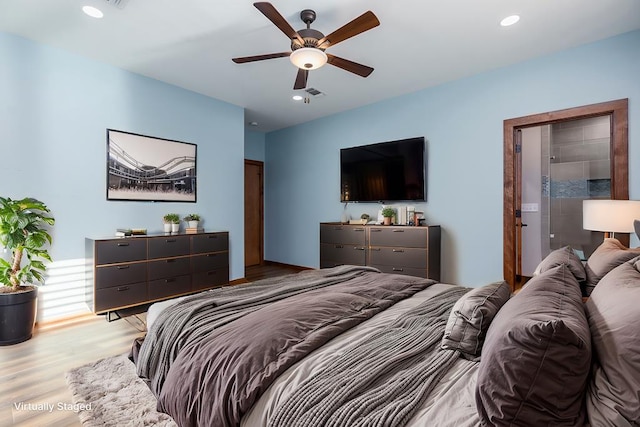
125 272
409 250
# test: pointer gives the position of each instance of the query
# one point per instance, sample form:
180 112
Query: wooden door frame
619 155
261 166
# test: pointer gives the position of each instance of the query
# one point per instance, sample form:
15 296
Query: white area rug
109 393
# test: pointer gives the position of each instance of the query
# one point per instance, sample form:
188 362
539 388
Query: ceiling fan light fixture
308 58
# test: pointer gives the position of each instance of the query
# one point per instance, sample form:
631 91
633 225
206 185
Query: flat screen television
384 172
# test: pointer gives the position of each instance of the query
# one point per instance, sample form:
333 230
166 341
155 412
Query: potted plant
171 222
388 213
23 231
192 220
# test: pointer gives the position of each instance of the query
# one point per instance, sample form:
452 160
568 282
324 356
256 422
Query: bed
351 346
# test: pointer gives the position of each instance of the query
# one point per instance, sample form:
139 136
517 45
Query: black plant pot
17 316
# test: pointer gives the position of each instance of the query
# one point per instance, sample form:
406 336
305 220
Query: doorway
253 213
514 217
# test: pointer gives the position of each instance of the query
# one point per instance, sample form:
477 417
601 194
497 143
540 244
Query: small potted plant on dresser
23 231
192 221
171 222
387 214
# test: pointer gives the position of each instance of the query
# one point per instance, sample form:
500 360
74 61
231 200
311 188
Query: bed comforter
212 373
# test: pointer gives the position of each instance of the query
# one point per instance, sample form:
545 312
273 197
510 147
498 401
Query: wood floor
32 373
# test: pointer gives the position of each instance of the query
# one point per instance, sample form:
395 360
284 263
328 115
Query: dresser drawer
338 254
202 263
401 257
163 247
163 288
122 274
417 272
120 296
120 250
408 237
214 242
169 267
343 234
209 279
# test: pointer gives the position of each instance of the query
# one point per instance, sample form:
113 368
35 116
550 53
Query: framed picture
144 168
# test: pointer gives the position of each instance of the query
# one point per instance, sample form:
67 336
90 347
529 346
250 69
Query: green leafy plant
23 230
192 217
388 212
171 218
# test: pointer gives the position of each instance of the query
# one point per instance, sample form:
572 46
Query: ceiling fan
308 45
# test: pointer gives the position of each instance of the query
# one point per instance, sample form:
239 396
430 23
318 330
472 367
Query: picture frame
151 169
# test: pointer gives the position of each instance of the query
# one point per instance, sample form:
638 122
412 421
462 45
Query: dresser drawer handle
397 269
398 250
122 288
375 249
173 279
123 267
359 248
213 236
123 244
398 231
339 246
358 229
212 255
376 230
170 240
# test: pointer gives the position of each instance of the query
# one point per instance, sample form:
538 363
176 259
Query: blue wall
254 145
54 110
462 122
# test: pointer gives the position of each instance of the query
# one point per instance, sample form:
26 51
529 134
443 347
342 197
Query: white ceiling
419 43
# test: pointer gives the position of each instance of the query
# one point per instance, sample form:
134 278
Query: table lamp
610 216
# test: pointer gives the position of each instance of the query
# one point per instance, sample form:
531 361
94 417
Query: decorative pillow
613 311
610 254
564 255
536 357
470 318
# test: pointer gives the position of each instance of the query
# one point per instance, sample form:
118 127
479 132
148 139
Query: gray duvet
211 373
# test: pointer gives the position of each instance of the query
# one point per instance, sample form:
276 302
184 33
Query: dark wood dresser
413 251
125 272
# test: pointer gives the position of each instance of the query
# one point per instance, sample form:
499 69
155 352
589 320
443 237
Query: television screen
383 172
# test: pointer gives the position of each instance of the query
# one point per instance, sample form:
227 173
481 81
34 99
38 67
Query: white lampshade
308 58
615 216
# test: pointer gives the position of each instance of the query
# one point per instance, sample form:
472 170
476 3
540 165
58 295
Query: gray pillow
536 357
614 318
471 316
610 254
564 255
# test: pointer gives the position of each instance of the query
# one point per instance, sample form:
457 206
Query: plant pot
17 316
167 227
193 224
175 228
387 220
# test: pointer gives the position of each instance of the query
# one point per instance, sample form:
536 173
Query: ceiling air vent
314 92
120 4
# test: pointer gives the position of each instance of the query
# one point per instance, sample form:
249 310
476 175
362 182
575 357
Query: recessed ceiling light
297 97
509 20
92 11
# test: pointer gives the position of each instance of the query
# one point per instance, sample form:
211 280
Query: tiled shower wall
579 169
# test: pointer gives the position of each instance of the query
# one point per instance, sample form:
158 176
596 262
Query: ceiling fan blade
278 20
352 67
244 59
301 79
362 23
